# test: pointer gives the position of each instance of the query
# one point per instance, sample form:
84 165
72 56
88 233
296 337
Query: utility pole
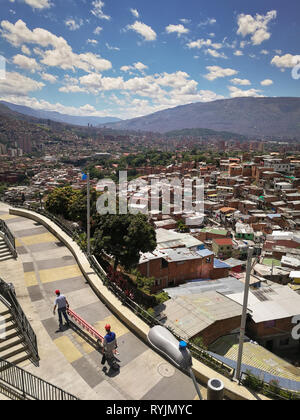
244 314
88 215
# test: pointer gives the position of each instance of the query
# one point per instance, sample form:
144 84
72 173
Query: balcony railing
8 237
29 387
9 299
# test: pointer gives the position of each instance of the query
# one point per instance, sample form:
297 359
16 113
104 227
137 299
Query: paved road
67 360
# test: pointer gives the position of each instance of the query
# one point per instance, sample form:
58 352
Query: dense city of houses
249 201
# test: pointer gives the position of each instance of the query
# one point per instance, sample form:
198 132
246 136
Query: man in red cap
62 304
109 347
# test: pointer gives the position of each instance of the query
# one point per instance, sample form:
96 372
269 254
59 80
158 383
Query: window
164 263
208 260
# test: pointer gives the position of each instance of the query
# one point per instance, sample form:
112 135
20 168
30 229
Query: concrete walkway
67 360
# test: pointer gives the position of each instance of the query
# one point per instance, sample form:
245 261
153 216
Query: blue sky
128 58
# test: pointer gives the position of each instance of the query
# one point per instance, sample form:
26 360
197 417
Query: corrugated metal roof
189 315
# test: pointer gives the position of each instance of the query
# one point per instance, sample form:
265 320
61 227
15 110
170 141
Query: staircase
13 346
5 252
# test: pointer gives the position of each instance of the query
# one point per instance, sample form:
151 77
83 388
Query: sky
129 58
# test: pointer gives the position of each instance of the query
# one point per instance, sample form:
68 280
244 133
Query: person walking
109 347
62 304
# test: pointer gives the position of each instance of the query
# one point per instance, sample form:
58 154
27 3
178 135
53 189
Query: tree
124 237
59 200
78 207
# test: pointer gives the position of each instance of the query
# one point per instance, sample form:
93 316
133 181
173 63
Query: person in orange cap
109 347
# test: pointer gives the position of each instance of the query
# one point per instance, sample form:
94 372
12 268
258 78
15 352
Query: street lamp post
244 314
88 215
163 340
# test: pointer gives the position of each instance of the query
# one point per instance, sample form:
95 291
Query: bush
252 382
198 341
161 297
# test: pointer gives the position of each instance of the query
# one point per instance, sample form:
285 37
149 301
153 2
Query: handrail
31 386
22 322
8 237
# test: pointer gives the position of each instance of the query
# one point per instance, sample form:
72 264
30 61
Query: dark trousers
62 312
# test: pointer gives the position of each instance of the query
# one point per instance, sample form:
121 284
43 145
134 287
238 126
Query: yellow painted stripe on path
116 326
7 216
30 279
68 349
36 239
59 273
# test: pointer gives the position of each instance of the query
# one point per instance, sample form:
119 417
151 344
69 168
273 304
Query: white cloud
140 66
97 10
92 41
109 47
17 84
238 53
98 30
38 4
72 89
179 29
216 72
26 63
264 52
49 77
185 21
256 26
237 93
95 82
72 24
243 44
136 66
61 55
285 61
25 50
215 53
242 82
208 21
153 93
267 82
144 30
135 13
85 110
204 43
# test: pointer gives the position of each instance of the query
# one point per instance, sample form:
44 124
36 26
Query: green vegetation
124 237
3 188
271 390
198 341
181 227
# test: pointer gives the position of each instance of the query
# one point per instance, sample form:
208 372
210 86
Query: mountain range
56 116
255 117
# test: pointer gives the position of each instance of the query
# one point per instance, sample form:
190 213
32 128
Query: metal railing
28 386
8 237
271 389
9 299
